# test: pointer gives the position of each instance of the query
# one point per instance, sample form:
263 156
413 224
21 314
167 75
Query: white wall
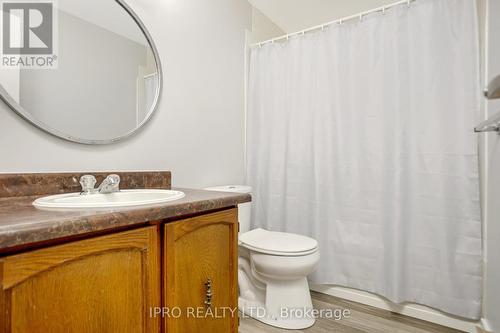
198 132
86 10
492 278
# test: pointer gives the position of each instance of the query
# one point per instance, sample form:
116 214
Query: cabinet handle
208 293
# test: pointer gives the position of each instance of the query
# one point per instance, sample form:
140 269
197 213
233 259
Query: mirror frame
23 113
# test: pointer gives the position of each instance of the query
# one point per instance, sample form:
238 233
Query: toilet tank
244 209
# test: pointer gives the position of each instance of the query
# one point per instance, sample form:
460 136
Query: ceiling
295 15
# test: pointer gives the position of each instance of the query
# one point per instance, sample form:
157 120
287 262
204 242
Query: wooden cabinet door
104 284
196 250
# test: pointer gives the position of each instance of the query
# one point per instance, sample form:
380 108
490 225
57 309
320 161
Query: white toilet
272 272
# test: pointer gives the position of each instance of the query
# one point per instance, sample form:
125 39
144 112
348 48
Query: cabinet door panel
196 250
103 284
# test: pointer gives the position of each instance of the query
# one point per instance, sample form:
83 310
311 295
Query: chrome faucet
109 185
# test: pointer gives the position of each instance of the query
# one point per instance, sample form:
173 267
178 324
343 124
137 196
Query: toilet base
287 305
258 314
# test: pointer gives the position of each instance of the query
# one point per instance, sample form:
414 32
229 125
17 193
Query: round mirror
85 71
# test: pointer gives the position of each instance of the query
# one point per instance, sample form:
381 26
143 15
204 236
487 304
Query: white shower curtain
361 136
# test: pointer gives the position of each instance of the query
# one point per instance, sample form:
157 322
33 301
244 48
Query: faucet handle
88 183
113 179
110 184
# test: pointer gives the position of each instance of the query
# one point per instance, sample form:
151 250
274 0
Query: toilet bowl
272 276
272 272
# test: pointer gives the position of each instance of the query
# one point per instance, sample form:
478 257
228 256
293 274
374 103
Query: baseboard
486 327
411 310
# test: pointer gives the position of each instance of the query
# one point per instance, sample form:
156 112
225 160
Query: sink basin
124 198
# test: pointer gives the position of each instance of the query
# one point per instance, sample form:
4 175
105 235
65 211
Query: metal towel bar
493 91
490 125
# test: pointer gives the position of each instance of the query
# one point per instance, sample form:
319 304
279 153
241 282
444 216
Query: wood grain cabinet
113 283
200 274
103 284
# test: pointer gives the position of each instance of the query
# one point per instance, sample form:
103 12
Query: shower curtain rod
338 21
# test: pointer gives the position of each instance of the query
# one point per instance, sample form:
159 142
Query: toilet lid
277 242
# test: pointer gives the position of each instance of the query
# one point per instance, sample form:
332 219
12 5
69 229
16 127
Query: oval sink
124 198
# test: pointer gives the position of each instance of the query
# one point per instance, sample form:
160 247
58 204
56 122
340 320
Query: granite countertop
23 226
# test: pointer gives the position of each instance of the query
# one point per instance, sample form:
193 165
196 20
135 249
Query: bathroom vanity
169 267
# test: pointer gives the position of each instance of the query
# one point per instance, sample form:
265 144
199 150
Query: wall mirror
85 71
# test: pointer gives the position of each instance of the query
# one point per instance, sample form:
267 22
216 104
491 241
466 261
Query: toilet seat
278 243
